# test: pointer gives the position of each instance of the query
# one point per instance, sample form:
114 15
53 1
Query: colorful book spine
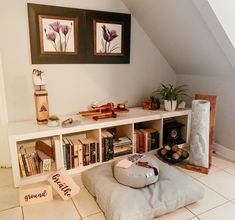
21 164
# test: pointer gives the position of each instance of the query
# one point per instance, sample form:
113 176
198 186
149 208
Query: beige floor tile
78 180
9 197
210 200
180 214
85 203
10 214
99 216
6 177
230 170
221 182
53 210
197 174
226 211
221 163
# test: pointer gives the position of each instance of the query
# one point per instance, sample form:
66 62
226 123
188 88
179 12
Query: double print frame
61 35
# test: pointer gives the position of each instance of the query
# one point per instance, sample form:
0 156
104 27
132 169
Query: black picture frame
38 12
83 49
108 17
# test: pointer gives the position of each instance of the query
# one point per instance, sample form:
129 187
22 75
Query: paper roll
199 138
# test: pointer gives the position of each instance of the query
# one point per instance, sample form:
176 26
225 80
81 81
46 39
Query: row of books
113 146
28 161
80 152
146 139
33 160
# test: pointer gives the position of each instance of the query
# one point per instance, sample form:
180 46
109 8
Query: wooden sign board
64 184
212 100
35 194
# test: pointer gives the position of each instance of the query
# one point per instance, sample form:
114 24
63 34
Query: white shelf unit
25 131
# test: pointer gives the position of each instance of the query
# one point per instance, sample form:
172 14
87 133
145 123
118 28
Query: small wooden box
36 193
42 109
64 184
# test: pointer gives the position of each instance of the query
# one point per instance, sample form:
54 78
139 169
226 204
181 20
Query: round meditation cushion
138 176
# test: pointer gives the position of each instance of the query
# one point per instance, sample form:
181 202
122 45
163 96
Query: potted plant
53 121
170 94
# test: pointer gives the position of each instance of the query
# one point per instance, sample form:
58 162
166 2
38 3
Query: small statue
39 78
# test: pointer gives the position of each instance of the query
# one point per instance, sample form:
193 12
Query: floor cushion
173 190
137 176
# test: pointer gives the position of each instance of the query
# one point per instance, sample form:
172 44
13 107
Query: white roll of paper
199 138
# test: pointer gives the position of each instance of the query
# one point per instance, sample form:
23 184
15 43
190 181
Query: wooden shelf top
26 130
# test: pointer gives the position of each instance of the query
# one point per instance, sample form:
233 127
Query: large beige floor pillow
137 176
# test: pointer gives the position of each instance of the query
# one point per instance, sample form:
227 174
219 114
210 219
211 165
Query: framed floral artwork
60 35
107 38
108 35
56 34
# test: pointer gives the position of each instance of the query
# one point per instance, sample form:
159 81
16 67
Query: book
56 147
22 169
107 145
122 150
134 158
85 151
67 153
25 160
75 153
72 156
122 141
125 163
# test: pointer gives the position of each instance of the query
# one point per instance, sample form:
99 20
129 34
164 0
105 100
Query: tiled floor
218 203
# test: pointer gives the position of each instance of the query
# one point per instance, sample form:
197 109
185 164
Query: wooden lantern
41 102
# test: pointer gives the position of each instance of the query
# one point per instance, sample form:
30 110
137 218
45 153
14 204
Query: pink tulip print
58 35
108 38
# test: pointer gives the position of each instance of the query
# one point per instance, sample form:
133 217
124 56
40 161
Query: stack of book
80 152
122 146
146 139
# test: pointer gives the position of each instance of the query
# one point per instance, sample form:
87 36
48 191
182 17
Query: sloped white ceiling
180 32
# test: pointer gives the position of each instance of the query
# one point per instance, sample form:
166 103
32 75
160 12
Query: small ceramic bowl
53 123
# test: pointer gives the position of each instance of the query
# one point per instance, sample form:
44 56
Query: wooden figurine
105 111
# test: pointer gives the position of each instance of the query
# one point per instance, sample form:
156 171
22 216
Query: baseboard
224 152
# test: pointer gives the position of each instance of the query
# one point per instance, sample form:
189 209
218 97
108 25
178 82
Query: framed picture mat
36 12
112 18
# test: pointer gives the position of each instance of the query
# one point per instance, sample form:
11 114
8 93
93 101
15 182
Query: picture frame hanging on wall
60 35
56 34
109 36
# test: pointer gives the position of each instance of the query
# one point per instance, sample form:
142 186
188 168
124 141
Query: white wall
200 57
73 87
224 11
225 90
4 150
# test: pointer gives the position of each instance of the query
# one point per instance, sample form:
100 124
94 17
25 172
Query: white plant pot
169 105
173 105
